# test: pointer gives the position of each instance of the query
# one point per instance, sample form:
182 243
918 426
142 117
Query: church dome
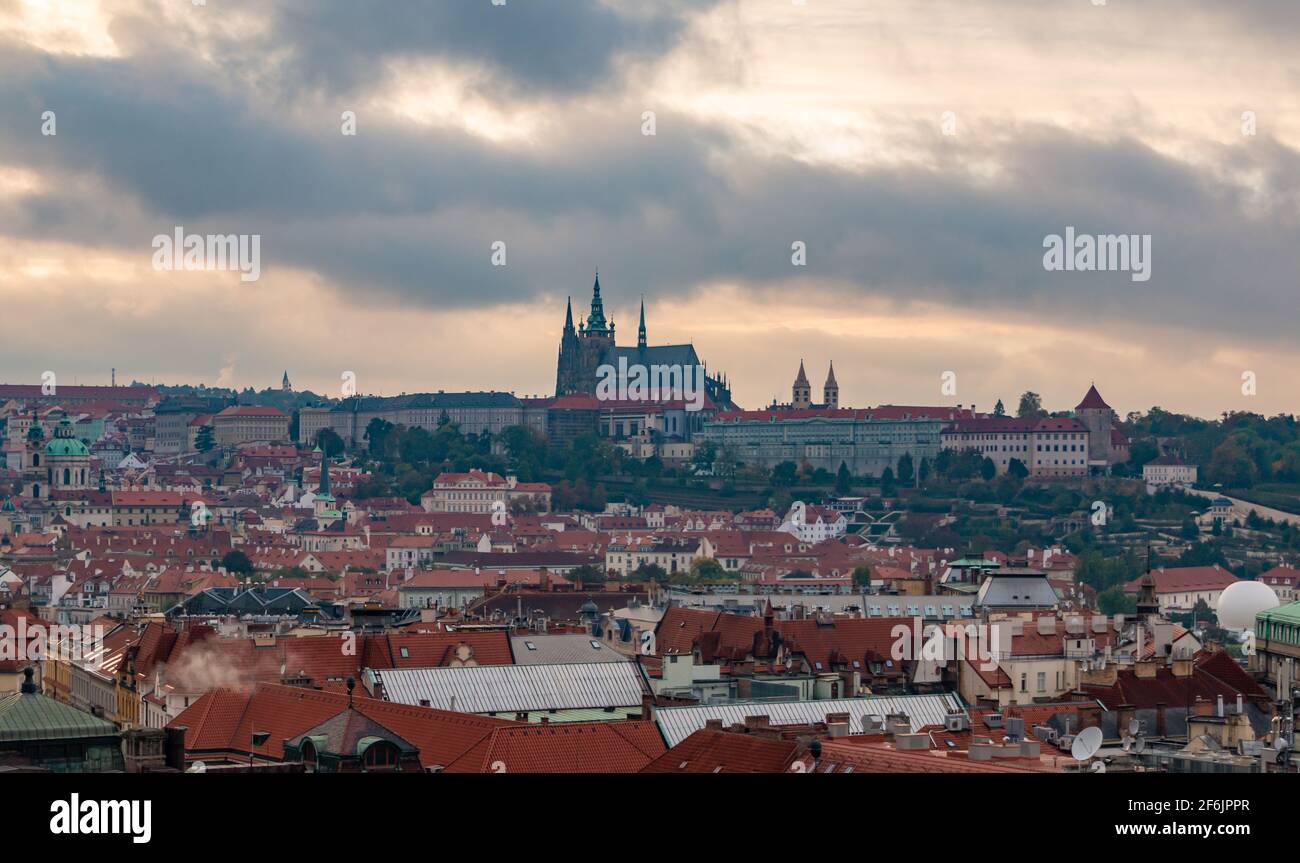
63 446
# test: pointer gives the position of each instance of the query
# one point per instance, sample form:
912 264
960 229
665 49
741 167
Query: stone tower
801 391
1099 418
831 391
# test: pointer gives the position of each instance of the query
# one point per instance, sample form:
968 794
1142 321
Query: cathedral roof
802 379
681 355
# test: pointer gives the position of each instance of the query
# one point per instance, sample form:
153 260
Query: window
1042 681
380 756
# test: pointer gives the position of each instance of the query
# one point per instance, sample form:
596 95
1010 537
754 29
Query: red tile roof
712 751
223 721
1186 579
565 747
1213 675
1092 400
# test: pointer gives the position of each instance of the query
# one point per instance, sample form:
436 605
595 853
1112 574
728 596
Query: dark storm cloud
529 45
407 214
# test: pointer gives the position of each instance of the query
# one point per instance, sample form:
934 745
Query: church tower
801 391
640 332
831 391
67 460
583 350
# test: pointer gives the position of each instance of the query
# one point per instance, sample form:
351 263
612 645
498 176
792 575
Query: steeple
596 320
640 332
801 392
831 391
568 315
324 476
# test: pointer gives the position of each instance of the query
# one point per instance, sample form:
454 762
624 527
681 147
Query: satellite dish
1099 767
1279 744
198 767
1141 744
1127 743
1134 727
1086 743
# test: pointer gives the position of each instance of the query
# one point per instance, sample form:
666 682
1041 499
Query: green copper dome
63 446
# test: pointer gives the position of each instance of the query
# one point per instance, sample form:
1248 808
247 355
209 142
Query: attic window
530 645
406 654
595 644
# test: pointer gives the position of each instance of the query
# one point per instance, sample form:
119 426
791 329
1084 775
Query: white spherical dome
1240 602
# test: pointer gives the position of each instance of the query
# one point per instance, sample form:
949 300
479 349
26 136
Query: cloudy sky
921 150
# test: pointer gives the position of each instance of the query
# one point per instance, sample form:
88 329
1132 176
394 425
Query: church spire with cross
640 332
596 320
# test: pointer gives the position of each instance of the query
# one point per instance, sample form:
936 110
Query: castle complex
590 345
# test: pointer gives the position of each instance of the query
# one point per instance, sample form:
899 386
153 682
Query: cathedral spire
640 333
596 320
568 315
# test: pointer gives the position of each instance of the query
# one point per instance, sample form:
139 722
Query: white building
1168 472
813 524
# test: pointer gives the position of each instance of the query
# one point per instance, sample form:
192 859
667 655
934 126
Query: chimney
1160 718
1125 712
174 746
1202 707
754 723
837 724
713 725
1219 707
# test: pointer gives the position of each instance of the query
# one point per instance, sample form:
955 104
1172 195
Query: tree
705 455
706 569
1113 600
906 471
1231 465
785 473
330 443
887 481
923 472
237 562
1017 469
999 410
377 436
1031 405
862 577
649 572
988 470
587 575
843 480
203 441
